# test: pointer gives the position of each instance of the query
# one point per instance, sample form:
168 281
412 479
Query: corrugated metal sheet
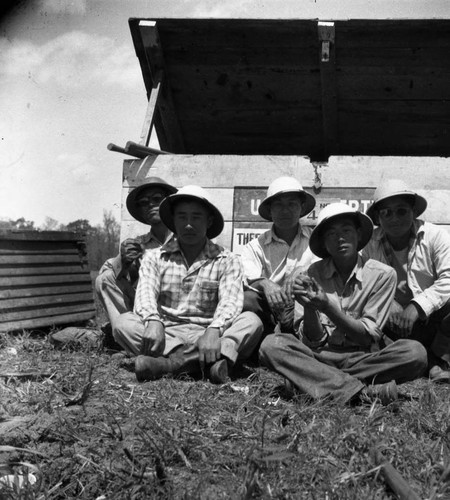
44 280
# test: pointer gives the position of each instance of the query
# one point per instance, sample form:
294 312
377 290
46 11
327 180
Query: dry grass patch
87 429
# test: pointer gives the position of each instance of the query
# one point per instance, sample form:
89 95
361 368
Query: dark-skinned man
117 279
188 310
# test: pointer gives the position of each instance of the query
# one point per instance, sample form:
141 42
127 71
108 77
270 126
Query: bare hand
401 321
130 251
275 295
395 314
309 293
209 347
290 280
153 339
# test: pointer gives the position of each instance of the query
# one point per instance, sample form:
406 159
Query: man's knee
268 350
414 353
127 322
127 331
252 322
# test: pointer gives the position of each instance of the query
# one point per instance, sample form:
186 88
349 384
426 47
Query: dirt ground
91 431
81 424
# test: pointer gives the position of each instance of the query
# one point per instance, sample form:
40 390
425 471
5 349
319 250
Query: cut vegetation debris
91 431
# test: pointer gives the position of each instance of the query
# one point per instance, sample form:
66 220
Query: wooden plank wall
430 176
44 280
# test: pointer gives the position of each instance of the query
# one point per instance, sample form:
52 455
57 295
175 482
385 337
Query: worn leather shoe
218 372
176 363
439 375
385 393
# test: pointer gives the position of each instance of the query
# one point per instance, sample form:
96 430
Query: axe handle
397 483
395 480
118 149
139 148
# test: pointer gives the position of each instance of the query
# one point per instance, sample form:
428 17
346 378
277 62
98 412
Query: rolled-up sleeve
376 310
230 293
431 264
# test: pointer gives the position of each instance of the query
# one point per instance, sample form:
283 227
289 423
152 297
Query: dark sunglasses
145 202
388 213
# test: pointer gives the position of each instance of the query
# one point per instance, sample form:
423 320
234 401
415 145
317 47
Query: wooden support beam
326 32
149 119
160 109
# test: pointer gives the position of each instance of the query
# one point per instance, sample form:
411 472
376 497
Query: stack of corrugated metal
44 280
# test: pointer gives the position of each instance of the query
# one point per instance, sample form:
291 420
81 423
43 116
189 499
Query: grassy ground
86 429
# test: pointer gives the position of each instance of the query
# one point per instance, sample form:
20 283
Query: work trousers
257 303
116 295
434 334
339 374
237 342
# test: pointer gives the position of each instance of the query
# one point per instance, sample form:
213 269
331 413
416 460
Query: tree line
102 240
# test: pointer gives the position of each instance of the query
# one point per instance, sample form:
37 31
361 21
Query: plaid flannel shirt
209 293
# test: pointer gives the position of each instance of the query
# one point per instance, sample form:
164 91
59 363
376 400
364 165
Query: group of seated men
341 311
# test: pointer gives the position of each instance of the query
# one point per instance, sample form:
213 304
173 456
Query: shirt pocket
208 296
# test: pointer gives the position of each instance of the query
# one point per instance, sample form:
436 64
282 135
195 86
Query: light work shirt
428 269
366 296
271 257
208 293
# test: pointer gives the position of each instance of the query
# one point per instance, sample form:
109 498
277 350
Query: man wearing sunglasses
117 279
420 254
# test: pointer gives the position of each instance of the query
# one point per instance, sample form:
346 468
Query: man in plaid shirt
188 309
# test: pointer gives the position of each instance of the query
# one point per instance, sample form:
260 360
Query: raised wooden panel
259 86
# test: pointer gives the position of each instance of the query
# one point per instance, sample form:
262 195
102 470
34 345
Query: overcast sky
70 83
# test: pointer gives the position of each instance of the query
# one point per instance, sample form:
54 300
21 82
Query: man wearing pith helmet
117 279
420 254
271 260
346 304
188 311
